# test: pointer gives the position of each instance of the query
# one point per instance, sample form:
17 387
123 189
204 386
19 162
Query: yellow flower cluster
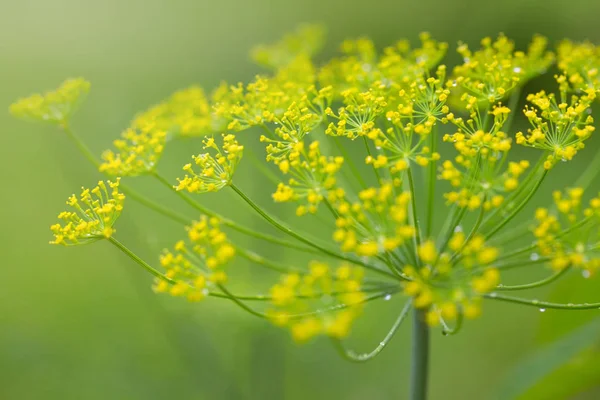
186 112
94 214
417 110
266 98
395 102
375 223
137 151
54 107
293 126
492 71
441 285
307 40
312 177
357 117
569 236
216 171
580 63
361 68
480 172
297 294
199 264
559 126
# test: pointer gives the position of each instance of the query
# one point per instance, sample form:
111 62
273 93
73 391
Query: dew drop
378 147
536 301
458 228
453 83
585 273
493 294
542 309
382 344
517 69
387 297
534 257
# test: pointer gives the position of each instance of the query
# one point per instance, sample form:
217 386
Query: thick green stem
420 357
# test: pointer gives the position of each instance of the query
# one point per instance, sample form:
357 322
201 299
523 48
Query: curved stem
240 303
265 297
260 260
139 261
420 356
155 206
542 304
337 307
447 330
81 146
532 285
301 238
457 256
360 358
229 223
507 219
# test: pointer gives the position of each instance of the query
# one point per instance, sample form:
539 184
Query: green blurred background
82 323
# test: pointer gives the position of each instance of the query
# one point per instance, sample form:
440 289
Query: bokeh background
82 323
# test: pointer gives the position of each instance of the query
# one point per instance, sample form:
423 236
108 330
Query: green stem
507 219
360 358
301 238
349 160
257 259
154 206
420 357
432 181
229 223
413 200
542 304
368 149
513 102
447 330
535 284
139 261
81 146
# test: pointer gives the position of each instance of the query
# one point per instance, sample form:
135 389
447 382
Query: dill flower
491 72
347 143
55 107
580 62
94 213
216 171
295 293
186 112
193 268
558 125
